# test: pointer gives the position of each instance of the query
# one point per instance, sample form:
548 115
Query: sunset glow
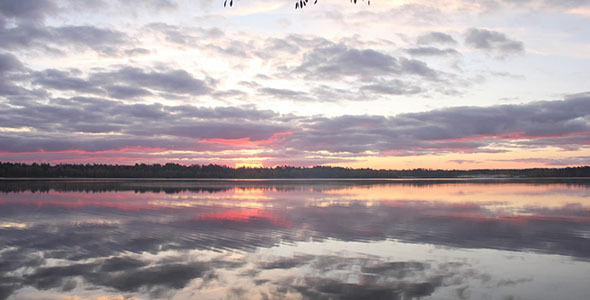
407 84
249 165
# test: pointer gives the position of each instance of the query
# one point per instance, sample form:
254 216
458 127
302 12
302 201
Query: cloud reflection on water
142 242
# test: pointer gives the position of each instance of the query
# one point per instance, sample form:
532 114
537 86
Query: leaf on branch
298 3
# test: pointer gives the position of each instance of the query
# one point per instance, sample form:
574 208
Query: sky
453 84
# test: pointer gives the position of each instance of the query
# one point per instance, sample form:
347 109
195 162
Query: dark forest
171 170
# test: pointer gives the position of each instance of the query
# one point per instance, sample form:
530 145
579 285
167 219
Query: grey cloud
297 160
233 48
339 60
124 83
331 94
121 273
11 69
451 129
553 3
23 36
103 257
285 263
462 161
436 38
61 80
158 4
188 36
26 10
144 111
413 14
397 269
568 3
562 124
274 45
225 130
417 67
492 41
126 92
308 42
150 126
120 6
378 279
336 61
94 146
284 93
60 39
103 41
321 288
52 277
347 223
223 113
169 276
431 51
292 45
9 63
394 87
172 81
137 51
229 93
576 160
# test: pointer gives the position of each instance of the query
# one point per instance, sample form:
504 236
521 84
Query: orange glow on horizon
496 158
249 165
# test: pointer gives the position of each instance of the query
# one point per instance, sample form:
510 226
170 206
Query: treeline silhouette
171 170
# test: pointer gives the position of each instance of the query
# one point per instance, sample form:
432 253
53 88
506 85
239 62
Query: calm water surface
330 239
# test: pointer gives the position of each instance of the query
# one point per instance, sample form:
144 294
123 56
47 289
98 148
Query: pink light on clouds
248 143
512 136
80 151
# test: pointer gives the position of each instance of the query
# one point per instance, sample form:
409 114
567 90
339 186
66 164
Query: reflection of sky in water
299 240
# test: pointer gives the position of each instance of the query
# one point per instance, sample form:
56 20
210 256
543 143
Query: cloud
365 223
125 274
9 63
61 80
436 38
315 61
337 61
284 93
26 10
551 3
131 125
431 51
97 254
171 81
493 41
469 129
186 36
105 126
124 82
11 69
126 92
285 263
166 276
320 288
59 40
105 41
576 160
394 87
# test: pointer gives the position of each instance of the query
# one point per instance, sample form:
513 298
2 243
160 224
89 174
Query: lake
295 239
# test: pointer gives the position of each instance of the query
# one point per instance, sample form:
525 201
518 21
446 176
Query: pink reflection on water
505 202
246 215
